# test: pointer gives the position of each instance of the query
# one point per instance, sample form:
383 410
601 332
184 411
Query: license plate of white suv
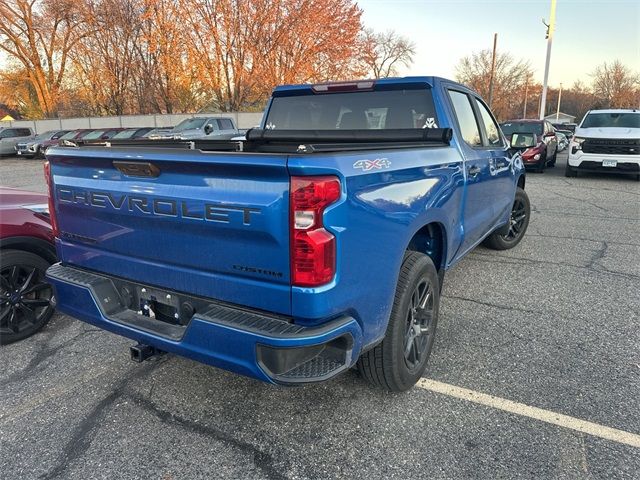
609 163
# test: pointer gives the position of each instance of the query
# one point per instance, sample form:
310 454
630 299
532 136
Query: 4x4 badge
376 164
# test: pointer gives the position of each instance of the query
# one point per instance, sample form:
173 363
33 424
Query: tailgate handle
137 169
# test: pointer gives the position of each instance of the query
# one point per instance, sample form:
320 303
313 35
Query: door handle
474 171
501 163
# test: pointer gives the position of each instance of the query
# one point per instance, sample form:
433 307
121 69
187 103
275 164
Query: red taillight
52 209
313 249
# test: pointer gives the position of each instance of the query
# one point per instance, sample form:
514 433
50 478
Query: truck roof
429 80
616 110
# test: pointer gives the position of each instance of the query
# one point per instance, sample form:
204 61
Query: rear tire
399 361
518 223
26 300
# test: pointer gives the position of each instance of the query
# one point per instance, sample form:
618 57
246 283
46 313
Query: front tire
26 299
569 171
517 226
399 361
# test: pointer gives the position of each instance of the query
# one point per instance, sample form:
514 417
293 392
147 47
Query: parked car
36 147
563 141
26 251
71 136
606 141
545 152
129 133
203 127
159 133
571 127
101 134
9 138
306 249
566 133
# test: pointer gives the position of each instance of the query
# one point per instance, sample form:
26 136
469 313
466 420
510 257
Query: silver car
203 127
35 147
9 138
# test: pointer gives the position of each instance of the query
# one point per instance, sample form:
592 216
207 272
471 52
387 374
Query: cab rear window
370 110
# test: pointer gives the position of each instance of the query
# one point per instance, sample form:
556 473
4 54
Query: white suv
9 137
606 141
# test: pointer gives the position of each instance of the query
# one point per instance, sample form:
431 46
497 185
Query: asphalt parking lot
553 324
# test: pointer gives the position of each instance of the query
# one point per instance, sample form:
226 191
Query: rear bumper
258 345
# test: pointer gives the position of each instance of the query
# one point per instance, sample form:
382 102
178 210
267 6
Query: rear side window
370 110
225 124
124 134
466 118
69 135
58 135
7 133
490 125
93 135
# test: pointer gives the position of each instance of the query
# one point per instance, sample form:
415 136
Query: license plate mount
609 163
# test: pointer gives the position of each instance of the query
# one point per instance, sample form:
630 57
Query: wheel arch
431 239
33 245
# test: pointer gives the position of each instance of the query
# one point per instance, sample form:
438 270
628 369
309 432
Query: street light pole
550 29
526 97
493 67
559 99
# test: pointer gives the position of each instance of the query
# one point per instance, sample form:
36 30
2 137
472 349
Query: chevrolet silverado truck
318 243
606 141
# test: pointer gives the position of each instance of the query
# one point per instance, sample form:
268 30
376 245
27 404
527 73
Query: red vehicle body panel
16 221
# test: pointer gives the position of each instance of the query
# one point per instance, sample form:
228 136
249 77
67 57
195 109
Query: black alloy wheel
419 328
517 220
509 235
26 299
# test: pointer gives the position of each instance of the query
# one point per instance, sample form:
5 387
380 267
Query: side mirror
550 134
208 128
523 140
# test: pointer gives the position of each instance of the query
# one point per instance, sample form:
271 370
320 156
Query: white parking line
521 409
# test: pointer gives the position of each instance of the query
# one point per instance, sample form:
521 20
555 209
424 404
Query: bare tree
578 99
616 85
40 35
384 52
508 81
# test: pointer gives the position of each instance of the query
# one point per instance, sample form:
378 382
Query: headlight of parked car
576 144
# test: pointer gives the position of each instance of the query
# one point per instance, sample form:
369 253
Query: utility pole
559 99
493 68
550 28
526 97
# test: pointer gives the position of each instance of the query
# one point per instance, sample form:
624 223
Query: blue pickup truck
317 243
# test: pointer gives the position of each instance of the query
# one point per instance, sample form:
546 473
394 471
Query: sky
588 33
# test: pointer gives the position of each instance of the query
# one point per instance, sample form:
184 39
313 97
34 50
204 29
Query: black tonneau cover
298 141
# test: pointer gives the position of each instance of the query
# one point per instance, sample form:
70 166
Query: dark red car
26 251
545 152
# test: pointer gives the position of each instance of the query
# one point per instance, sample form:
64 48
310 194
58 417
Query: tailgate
208 224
